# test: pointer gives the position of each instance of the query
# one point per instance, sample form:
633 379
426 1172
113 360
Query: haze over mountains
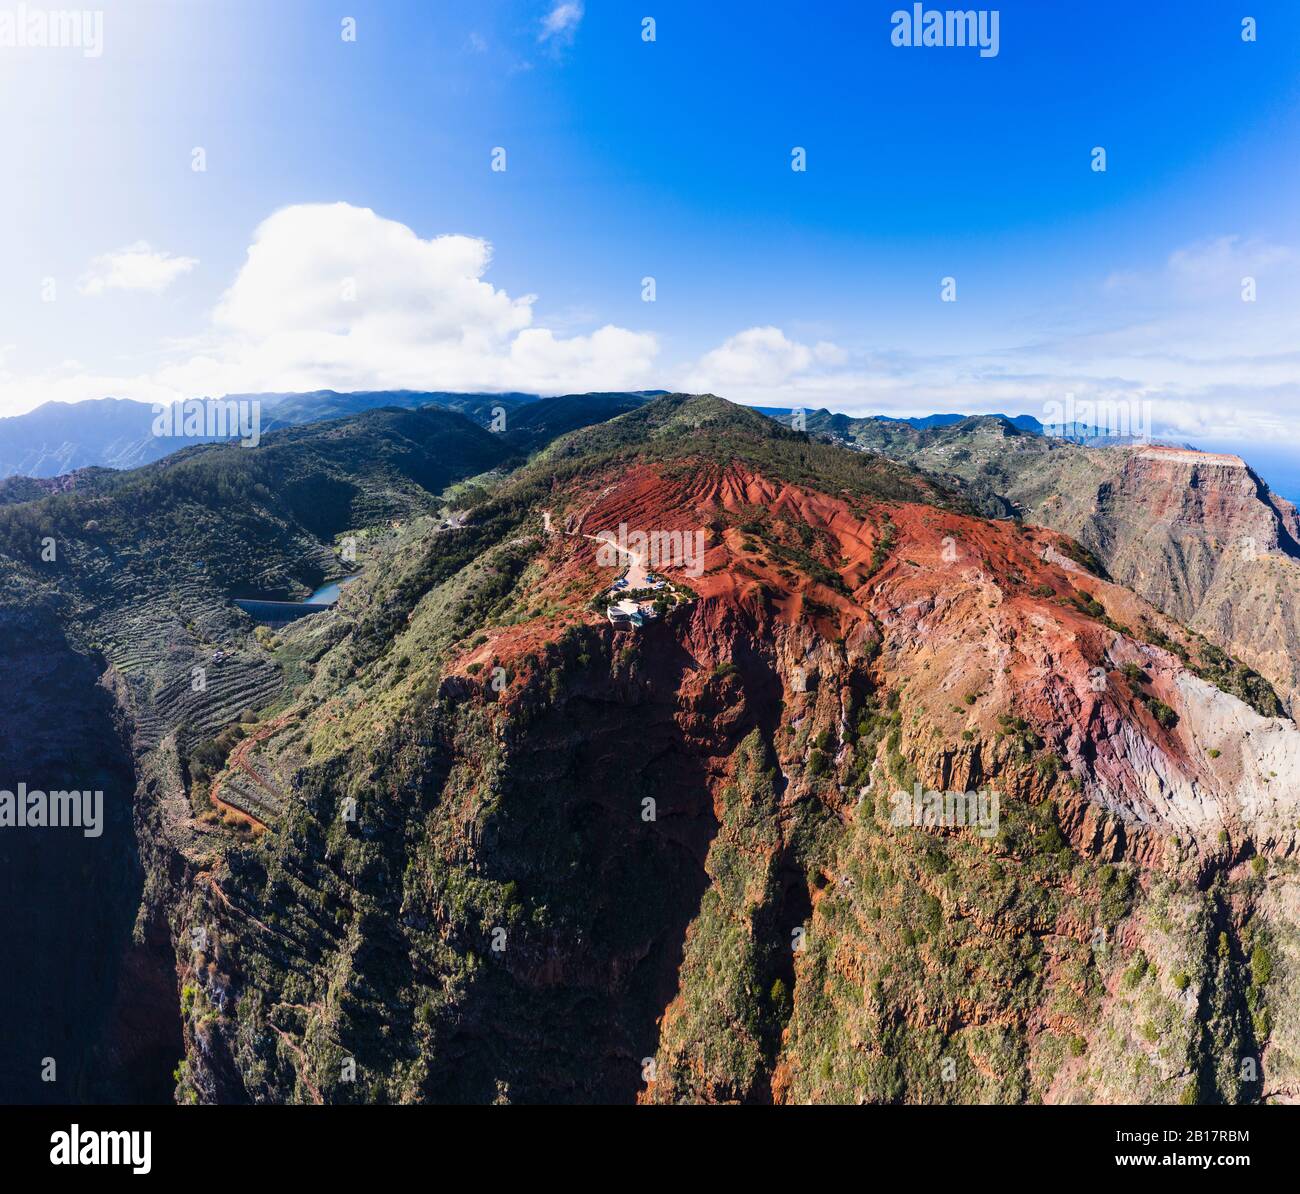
62 437
462 831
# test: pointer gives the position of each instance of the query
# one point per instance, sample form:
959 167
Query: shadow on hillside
69 901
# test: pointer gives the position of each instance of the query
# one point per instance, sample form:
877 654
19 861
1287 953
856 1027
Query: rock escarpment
1196 533
891 803
571 863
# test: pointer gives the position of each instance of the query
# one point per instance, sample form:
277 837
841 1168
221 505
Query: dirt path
638 575
293 1046
238 760
216 890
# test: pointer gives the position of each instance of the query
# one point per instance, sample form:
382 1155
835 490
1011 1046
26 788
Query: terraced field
253 784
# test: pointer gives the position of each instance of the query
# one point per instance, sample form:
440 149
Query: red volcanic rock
973 621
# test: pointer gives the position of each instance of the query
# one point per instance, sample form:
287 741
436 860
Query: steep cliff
891 802
516 854
1196 533
1201 536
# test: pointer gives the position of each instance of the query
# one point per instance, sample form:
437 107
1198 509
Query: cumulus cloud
561 23
758 358
340 297
1182 342
336 270
335 296
135 267
339 292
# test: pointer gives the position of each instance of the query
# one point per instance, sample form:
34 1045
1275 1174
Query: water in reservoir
328 594
281 613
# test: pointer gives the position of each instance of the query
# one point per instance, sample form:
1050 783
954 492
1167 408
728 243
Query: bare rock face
1198 534
1180 523
893 803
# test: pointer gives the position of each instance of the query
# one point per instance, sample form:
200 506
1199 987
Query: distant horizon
503 196
1278 467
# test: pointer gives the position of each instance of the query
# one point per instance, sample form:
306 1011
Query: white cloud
338 292
1200 272
135 267
336 270
332 296
561 23
336 296
1223 261
758 357
1176 339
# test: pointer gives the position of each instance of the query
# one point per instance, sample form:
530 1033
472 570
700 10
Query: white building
626 613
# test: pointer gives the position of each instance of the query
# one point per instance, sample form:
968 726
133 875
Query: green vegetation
1164 714
1226 673
724 1041
204 761
1218 668
540 890
1087 604
884 545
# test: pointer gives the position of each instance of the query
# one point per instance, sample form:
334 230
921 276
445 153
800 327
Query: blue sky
333 164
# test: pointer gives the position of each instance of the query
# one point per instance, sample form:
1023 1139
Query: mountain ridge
472 837
57 438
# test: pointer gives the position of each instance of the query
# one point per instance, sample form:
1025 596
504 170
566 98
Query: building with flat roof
626 613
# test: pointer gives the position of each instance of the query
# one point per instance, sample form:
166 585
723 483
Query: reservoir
328 594
281 613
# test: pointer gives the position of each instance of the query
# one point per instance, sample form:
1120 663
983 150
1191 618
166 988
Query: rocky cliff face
1196 533
1199 535
892 803
573 863
124 653
92 1014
